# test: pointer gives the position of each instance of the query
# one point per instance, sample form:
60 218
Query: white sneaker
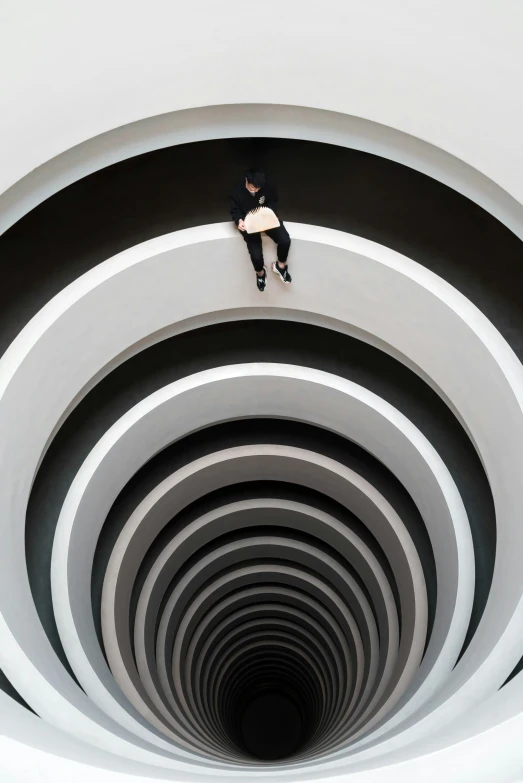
283 274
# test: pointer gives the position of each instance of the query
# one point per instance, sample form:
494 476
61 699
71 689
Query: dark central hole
271 701
271 726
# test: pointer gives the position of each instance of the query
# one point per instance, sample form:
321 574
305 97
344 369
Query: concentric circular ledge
256 120
240 392
150 522
228 516
305 518
284 574
458 332
219 615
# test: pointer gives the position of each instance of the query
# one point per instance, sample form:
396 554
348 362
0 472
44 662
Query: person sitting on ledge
251 193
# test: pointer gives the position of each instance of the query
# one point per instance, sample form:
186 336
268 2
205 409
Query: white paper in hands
260 219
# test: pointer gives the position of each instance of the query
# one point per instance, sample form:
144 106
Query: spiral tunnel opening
255 637
271 724
271 581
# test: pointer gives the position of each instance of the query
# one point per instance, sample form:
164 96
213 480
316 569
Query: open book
260 219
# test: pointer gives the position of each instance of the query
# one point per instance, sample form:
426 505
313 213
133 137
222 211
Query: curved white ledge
236 610
286 576
344 55
374 511
243 391
250 511
253 120
146 522
389 296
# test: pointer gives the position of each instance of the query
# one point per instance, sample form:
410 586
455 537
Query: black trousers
280 235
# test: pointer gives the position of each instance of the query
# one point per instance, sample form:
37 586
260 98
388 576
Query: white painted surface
242 391
374 290
156 510
379 518
221 468
447 72
246 120
385 294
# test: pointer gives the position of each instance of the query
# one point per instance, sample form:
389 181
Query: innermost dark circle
271 726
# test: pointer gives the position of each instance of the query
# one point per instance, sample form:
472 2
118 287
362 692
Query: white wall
446 71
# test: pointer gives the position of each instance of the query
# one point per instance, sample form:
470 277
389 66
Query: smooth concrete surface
149 531
240 121
319 183
240 392
479 729
283 603
290 577
100 196
313 440
366 621
416 215
471 428
258 509
247 341
234 610
241 433
413 600
380 199
459 246
374 62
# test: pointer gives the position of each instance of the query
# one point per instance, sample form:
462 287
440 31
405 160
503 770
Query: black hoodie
242 201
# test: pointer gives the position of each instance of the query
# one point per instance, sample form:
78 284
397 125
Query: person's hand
241 225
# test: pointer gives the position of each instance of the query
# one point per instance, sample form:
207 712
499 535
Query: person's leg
254 246
281 236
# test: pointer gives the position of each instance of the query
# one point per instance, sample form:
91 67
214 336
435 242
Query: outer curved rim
362 607
255 120
241 391
503 361
378 526
197 660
